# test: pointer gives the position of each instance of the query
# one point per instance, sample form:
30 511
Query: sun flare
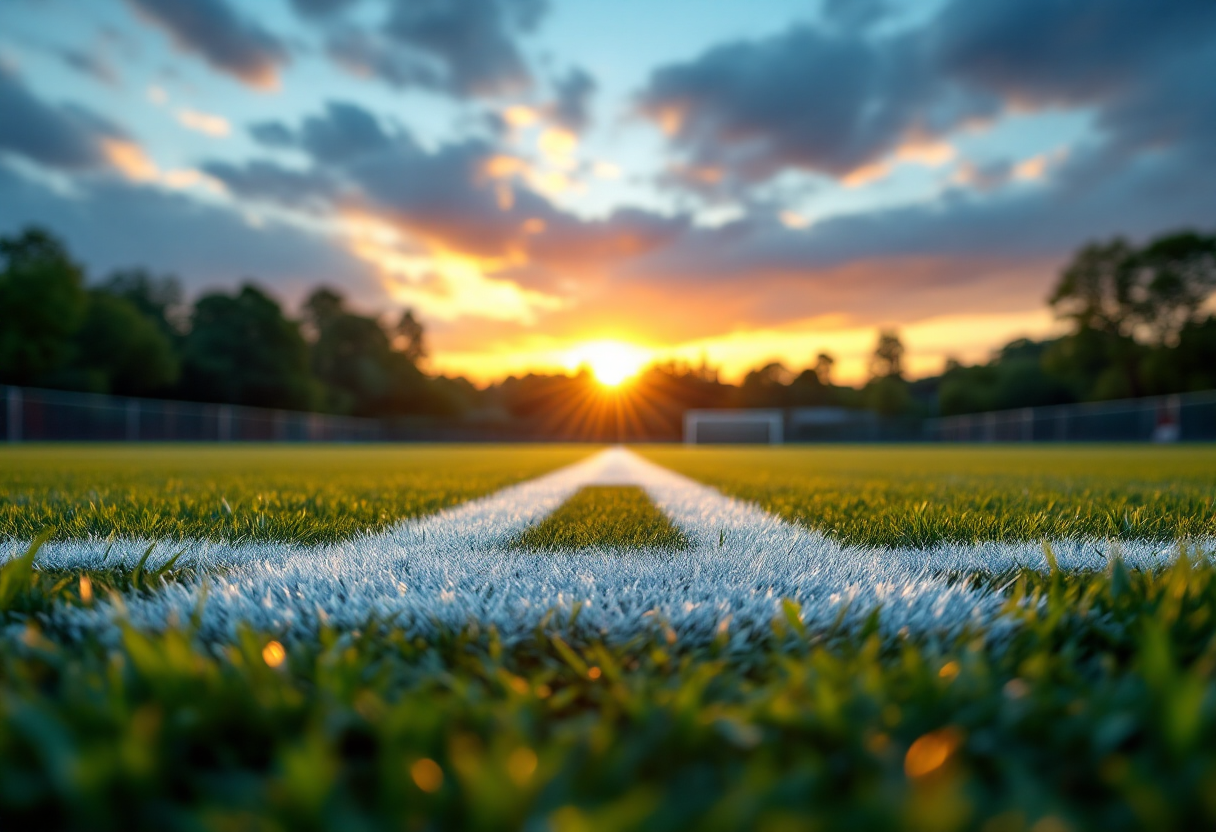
611 362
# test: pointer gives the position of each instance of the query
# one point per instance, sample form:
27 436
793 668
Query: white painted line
454 568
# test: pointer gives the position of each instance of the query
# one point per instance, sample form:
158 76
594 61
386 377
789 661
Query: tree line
132 334
1140 322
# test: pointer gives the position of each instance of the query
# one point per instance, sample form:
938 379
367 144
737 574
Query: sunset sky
749 180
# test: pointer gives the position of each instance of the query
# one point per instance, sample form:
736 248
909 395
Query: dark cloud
833 102
447 195
272 134
855 14
269 182
1065 52
342 132
228 41
370 55
65 137
1031 222
206 246
572 106
90 64
345 132
461 47
321 8
803 99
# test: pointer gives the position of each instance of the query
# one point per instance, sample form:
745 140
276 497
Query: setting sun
611 362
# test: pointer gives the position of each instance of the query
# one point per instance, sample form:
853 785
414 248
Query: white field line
453 568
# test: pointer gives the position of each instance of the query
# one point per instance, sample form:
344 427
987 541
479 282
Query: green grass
1091 706
306 494
604 516
1098 713
921 495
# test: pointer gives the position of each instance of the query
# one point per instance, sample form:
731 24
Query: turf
922 495
1089 704
312 494
605 517
1098 713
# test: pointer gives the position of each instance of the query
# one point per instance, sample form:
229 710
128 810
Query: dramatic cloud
466 196
65 137
462 47
572 107
206 246
839 102
268 182
1066 52
228 41
803 99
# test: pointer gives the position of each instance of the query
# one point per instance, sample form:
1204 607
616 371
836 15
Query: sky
738 180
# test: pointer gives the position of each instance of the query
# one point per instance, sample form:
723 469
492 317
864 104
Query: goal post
742 426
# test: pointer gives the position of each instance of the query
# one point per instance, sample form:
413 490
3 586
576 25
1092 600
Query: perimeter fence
33 415
1185 417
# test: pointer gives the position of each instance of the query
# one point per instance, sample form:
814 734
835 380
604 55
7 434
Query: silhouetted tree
42 303
765 387
242 350
824 363
412 335
888 359
353 356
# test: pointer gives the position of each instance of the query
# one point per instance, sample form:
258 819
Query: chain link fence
1186 417
31 415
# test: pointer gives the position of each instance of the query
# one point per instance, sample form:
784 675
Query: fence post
132 420
13 401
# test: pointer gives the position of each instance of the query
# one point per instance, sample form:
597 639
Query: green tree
159 299
765 387
1129 308
121 350
242 350
42 303
1015 377
353 356
1172 278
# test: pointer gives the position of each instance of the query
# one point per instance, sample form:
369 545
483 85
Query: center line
456 567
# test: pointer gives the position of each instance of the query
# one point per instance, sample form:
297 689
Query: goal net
733 426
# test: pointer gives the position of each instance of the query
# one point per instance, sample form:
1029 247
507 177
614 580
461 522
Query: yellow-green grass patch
604 517
303 494
922 495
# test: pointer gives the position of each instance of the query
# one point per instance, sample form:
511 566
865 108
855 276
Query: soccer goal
733 426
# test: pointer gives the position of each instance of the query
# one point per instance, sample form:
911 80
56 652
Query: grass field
917 496
1089 703
604 516
302 494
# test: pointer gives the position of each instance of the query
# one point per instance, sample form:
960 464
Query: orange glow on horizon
611 362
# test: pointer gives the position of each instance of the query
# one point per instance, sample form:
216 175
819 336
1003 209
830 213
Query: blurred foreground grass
306 494
921 495
1096 711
